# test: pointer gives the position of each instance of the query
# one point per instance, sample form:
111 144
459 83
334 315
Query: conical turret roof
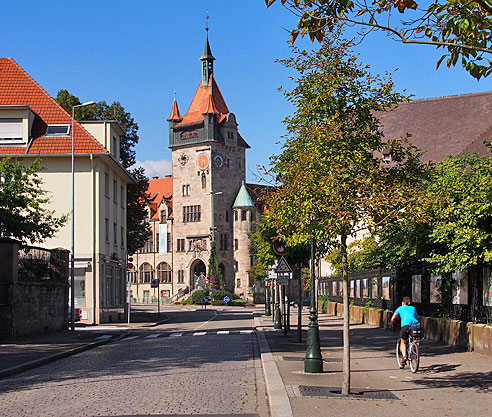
243 199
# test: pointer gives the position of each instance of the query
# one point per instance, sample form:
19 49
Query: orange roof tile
18 88
175 114
200 103
159 189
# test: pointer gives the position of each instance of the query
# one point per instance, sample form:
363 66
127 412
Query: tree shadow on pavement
479 381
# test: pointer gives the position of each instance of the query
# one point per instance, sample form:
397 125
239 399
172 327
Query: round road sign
226 299
279 248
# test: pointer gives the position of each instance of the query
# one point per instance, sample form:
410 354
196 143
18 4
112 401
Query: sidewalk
23 353
448 383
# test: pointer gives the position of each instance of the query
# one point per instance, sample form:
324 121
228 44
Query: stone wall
32 307
474 337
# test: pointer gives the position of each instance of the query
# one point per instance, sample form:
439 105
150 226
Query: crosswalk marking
179 334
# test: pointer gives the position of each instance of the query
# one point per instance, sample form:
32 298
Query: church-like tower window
243 215
235 215
204 181
236 244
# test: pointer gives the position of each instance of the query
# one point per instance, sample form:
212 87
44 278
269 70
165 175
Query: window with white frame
58 130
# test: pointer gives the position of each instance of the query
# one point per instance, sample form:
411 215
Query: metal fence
41 265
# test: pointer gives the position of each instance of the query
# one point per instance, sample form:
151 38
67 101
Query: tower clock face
203 161
218 161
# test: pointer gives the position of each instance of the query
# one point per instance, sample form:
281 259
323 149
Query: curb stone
277 395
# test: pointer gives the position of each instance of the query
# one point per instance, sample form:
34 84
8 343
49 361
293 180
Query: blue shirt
408 315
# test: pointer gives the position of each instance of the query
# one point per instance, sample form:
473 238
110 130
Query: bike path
449 382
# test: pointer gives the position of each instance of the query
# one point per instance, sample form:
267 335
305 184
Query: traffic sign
279 248
226 299
282 266
206 299
207 282
154 283
283 280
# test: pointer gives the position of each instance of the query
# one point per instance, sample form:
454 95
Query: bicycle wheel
399 358
414 357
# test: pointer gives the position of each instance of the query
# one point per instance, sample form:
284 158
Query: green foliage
463 28
220 294
23 215
214 273
138 231
361 255
331 181
197 296
367 306
323 301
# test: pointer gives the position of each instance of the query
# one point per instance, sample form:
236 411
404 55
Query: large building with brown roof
443 126
33 124
205 199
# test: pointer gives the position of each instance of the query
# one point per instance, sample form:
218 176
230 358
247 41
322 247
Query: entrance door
197 268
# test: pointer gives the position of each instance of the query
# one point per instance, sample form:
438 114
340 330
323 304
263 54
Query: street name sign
282 267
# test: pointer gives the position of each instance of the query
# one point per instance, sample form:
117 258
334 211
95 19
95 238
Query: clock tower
208 168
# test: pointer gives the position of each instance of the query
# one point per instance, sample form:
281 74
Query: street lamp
72 269
212 229
313 361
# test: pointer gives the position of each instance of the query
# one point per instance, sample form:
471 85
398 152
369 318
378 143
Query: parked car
78 314
306 301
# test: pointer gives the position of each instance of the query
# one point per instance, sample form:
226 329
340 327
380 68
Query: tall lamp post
313 361
72 263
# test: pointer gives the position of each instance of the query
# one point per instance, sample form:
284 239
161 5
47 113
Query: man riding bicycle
408 316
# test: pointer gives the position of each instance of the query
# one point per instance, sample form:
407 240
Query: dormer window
11 130
58 130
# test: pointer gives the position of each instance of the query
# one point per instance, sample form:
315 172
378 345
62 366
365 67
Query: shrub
220 294
197 296
238 302
323 301
218 303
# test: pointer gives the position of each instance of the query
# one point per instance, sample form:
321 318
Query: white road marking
199 333
204 323
394 377
104 336
223 332
131 337
175 334
153 336
245 331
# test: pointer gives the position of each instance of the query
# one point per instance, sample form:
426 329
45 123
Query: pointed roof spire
207 52
175 115
243 199
210 108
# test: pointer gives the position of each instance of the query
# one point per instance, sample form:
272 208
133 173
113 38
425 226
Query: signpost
226 299
128 286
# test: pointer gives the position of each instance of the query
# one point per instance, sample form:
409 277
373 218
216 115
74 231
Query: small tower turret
207 62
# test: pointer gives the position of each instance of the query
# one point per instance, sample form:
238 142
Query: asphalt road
200 362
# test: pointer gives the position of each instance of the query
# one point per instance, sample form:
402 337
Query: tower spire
207 60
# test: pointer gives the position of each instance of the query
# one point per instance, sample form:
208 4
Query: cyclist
408 316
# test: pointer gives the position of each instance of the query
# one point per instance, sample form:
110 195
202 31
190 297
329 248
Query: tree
214 273
22 201
334 181
462 27
138 231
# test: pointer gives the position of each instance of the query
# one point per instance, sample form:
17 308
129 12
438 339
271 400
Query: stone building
206 198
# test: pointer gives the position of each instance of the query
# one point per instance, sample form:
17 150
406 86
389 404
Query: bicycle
413 354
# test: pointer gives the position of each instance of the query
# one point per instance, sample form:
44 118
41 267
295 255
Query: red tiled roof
18 88
159 188
175 114
443 126
258 194
200 104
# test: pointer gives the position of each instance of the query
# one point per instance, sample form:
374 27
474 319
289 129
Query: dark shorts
405 332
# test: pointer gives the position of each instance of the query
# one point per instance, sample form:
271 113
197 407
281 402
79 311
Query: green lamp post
313 361
277 324
268 311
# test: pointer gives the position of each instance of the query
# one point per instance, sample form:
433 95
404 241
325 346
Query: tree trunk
346 318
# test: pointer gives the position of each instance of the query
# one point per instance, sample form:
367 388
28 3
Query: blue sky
140 53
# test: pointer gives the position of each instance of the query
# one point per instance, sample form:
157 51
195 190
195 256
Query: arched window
164 273
146 272
204 181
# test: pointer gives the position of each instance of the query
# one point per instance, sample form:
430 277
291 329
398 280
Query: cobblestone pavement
202 371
